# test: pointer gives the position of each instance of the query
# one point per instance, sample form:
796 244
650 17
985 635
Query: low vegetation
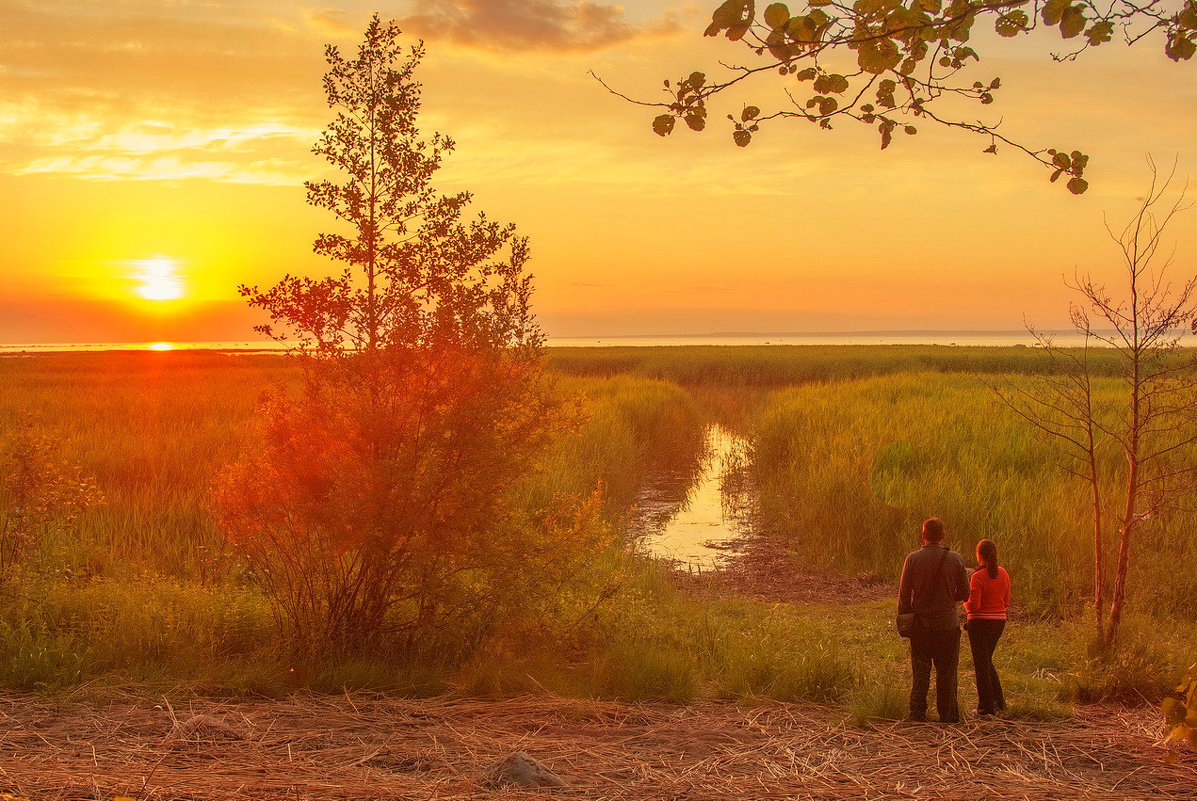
142 591
846 471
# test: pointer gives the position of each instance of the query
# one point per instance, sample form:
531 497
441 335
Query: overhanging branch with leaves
908 56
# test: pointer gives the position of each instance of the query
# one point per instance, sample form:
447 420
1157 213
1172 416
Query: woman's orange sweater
988 598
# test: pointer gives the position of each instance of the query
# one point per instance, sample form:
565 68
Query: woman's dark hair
988 553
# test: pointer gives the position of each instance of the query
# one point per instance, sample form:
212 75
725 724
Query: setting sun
159 279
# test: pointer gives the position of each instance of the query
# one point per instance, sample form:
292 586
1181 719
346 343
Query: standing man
934 580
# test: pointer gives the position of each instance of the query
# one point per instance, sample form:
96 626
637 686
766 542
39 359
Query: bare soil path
365 747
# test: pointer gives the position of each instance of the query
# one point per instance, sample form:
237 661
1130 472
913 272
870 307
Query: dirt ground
759 569
359 747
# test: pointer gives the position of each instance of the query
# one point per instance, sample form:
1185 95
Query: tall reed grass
847 471
852 447
142 587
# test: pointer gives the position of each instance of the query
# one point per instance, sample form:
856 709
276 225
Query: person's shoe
913 718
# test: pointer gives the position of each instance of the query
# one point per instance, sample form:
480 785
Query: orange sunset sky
152 156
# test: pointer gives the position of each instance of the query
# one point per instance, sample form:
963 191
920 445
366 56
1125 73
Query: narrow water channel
691 518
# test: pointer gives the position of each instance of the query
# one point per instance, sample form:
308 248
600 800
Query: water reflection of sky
682 522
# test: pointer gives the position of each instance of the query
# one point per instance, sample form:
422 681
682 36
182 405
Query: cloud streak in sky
522 25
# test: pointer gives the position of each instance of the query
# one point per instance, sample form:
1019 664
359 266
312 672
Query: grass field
848 470
852 447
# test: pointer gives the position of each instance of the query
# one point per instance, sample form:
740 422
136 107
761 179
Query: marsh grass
847 471
143 590
775 366
851 450
152 428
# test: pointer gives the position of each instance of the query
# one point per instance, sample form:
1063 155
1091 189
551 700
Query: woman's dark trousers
983 638
940 649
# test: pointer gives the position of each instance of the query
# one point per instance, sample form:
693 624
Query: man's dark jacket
933 597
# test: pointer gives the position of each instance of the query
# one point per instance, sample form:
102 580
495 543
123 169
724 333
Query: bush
40 491
1132 672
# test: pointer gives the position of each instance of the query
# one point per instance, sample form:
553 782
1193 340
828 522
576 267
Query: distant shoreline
881 337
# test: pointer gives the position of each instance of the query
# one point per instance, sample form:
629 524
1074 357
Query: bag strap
938 571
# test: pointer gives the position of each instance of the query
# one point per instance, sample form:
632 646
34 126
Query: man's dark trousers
941 649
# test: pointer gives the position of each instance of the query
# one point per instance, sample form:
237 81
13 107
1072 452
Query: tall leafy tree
385 498
416 272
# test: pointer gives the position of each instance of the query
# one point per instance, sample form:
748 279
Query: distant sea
956 338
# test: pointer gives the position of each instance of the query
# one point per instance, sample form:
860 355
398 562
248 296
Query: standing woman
988 600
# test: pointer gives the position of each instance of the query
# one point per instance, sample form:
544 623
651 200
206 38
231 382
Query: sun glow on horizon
159 279
161 346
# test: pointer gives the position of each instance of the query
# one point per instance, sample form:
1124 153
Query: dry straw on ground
383 748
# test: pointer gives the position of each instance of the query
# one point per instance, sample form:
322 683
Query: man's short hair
933 529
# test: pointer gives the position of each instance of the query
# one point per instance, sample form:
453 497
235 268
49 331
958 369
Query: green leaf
878 56
1053 11
749 113
1012 24
663 125
778 45
696 121
730 16
807 74
1180 48
1100 33
1187 18
1077 186
803 30
777 15
742 138
1073 22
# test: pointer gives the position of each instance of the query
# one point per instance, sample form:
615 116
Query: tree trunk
1119 585
1099 568
1129 515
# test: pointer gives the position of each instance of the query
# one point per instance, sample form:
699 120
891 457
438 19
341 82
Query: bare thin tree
1152 421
